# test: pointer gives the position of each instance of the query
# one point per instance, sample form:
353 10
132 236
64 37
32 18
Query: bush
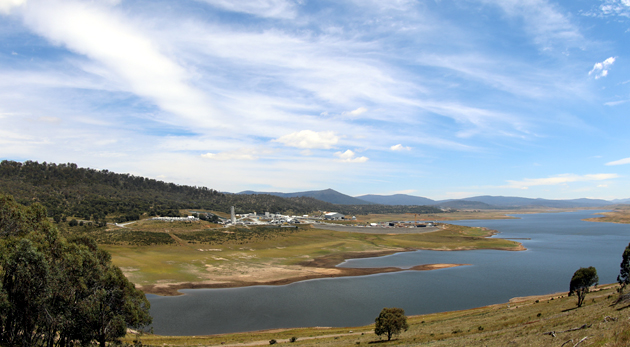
293 339
272 342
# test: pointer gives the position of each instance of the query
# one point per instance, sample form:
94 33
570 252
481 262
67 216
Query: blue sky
436 98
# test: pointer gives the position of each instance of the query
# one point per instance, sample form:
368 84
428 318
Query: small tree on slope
624 274
582 280
391 321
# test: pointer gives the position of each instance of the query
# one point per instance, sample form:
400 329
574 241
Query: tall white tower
233 215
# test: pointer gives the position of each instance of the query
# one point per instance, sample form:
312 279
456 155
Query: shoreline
323 267
513 304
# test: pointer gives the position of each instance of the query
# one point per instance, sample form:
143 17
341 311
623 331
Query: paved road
375 230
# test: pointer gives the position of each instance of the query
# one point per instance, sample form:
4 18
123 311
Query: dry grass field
619 215
193 255
541 321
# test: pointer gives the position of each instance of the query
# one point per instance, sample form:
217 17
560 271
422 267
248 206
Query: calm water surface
559 244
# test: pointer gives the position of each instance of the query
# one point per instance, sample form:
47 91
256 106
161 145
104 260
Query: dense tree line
56 291
67 190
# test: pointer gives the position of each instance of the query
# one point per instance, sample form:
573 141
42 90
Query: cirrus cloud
265 8
619 162
559 180
309 139
239 154
399 147
7 5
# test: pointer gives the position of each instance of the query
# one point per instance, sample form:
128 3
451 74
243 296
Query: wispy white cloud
548 26
46 119
559 180
309 139
399 147
149 87
355 113
239 154
601 69
619 162
101 33
262 8
7 5
350 157
615 103
615 8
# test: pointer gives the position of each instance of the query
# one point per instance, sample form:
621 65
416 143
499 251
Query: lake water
559 244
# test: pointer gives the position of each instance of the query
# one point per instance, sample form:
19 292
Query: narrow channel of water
557 243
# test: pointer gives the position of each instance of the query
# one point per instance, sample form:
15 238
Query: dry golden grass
522 322
619 215
277 255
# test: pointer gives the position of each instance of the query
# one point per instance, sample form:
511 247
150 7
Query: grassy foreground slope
191 255
526 321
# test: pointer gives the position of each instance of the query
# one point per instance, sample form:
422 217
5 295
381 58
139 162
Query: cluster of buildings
175 219
280 219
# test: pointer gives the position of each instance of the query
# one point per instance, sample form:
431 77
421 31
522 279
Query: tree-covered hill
68 190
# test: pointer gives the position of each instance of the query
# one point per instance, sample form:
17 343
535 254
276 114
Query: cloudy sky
434 98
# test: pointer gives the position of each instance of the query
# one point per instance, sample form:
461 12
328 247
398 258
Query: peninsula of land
198 256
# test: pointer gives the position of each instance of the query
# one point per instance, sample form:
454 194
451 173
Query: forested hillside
57 291
67 190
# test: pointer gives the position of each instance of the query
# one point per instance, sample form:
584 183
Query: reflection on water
557 243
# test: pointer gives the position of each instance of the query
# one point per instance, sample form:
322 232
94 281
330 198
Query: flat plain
162 257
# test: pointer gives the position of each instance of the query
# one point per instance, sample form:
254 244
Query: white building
333 216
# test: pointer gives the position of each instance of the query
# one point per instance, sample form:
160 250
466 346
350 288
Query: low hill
328 195
397 199
516 202
67 190
467 205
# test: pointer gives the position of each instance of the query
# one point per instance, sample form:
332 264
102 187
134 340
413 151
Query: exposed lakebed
557 243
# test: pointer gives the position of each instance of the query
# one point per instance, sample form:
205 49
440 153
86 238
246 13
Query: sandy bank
324 267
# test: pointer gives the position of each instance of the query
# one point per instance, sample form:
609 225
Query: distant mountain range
327 195
475 202
397 199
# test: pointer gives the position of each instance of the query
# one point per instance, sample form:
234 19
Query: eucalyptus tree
624 273
59 292
390 322
582 280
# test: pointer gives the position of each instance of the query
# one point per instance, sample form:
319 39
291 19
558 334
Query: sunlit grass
190 262
522 322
